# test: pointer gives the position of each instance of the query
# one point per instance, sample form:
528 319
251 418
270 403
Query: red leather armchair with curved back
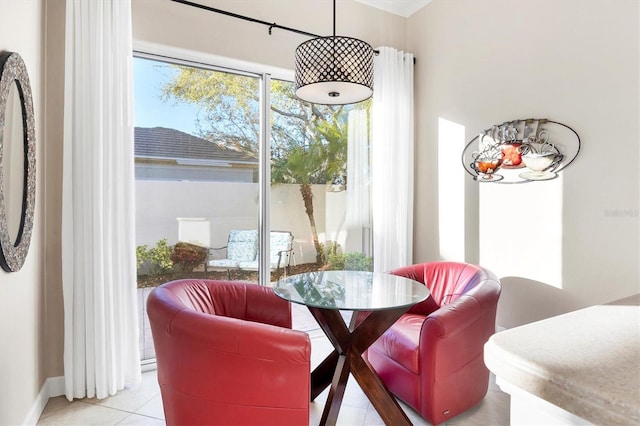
432 357
226 355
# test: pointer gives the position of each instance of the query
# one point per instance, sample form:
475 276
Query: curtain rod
271 25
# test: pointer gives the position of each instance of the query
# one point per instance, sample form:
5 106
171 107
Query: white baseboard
148 365
56 386
52 387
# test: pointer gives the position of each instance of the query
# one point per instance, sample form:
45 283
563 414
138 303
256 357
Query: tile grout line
123 410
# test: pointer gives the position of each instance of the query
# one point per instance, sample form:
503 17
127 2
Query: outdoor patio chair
243 253
242 246
280 253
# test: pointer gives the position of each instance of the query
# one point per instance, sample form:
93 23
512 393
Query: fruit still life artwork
511 155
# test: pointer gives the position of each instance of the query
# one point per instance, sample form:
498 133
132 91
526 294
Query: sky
150 111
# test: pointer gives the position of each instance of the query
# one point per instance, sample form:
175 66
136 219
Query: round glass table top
351 290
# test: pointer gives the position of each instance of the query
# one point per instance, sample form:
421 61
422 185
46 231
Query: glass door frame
264 181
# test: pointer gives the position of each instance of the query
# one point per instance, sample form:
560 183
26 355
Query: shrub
335 262
352 261
188 256
158 258
355 261
141 256
330 252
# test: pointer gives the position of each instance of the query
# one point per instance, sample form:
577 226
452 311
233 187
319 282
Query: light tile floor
143 404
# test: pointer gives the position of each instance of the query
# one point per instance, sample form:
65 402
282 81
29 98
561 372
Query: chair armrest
212 250
209 257
455 317
475 308
285 251
456 333
280 253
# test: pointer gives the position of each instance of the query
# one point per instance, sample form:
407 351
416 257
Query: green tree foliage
308 141
228 105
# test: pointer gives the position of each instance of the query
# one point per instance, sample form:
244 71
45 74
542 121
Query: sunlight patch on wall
451 176
521 230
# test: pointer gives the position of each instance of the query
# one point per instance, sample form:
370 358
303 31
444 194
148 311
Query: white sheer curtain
392 159
358 216
101 354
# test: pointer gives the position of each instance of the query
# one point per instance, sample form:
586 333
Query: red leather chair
226 355
432 357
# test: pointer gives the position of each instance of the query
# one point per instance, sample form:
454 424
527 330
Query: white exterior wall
215 208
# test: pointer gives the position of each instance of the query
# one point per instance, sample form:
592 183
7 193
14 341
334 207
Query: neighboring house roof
164 143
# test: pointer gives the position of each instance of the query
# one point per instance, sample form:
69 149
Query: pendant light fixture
334 70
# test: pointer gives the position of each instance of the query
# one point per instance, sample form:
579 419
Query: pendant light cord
334 18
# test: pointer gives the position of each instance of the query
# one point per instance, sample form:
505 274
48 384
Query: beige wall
483 63
54 313
22 326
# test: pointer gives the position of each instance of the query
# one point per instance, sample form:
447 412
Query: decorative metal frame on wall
519 151
14 71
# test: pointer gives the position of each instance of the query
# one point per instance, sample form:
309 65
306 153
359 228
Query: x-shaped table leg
347 358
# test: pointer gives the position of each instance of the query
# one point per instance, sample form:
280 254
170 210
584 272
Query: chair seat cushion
224 263
253 264
400 342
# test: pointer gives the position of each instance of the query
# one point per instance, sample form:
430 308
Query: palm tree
320 162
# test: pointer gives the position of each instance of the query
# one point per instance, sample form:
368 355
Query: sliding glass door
238 179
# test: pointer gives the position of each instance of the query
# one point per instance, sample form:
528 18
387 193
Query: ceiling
404 8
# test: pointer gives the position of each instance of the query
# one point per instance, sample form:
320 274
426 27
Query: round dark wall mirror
18 162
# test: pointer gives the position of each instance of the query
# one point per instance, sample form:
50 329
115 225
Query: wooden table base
349 344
